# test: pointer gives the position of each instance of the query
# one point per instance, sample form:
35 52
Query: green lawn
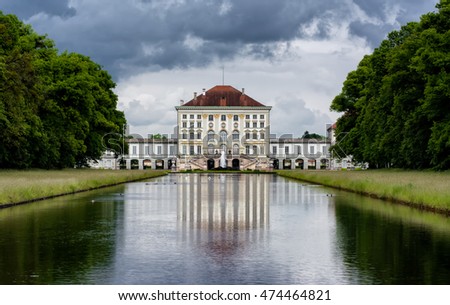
21 186
424 189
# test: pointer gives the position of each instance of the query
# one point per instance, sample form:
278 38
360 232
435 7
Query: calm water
221 229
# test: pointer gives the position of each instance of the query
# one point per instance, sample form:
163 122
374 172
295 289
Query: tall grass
425 189
22 186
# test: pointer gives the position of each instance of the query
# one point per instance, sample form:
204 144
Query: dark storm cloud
383 10
129 36
26 8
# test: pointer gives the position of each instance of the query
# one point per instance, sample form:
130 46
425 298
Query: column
317 163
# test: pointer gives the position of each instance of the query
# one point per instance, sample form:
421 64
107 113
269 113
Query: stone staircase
198 163
248 163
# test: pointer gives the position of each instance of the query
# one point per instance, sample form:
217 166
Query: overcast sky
290 54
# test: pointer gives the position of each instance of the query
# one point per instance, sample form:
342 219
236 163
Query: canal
222 229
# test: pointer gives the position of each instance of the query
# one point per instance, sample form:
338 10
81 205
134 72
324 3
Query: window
261 125
247 136
235 118
210 117
184 116
191 125
199 149
184 124
274 150
235 149
210 135
184 149
210 149
191 116
247 124
286 150
159 148
223 136
191 136
199 116
199 136
184 136
262 136
255 116
146 149
299 150
223 117
199 124
235 135
134 150
261 116
171 150
255 149
311 150
247 116
247 150
255 124
191 150
255 136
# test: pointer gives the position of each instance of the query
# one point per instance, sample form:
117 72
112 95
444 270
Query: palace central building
223 120
225 125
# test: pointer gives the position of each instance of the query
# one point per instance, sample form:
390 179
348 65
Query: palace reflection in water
223 215
224 202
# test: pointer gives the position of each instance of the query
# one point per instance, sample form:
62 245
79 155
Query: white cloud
225 7
192 42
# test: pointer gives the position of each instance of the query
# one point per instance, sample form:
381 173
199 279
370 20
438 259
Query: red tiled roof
223 96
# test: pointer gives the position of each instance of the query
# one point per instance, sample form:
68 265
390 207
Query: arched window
210 149
210 135
223 136
235 135
223 147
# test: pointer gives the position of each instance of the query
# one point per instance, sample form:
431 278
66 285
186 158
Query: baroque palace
225 128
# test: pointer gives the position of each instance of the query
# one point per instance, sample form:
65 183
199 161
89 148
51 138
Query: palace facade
226 121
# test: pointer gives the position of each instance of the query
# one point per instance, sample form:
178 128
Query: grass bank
422 189
18 187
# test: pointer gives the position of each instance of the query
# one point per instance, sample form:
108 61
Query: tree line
396 104
55 109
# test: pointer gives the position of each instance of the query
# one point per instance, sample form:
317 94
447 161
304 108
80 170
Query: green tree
80 101
55 110
316 136
21 129
396 104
